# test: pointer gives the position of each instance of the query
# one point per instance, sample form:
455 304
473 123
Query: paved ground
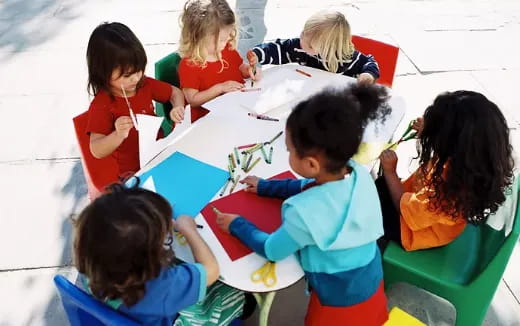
445 45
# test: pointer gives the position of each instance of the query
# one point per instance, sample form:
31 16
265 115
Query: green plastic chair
166 70
465 272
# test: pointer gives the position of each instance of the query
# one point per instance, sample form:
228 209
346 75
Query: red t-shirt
203 78
104 111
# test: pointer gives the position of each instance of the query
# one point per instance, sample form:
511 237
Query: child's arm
196 98
103 145
274 188
366 68
177 101
201 252
274 247
276 53
395 187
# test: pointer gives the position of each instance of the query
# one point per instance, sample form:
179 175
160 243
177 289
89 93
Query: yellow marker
265 274
370 151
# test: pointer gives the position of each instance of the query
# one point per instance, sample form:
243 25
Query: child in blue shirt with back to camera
332 218
121 252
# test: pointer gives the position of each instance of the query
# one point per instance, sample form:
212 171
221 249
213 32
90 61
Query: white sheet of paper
276 89
279 86
149 126
149 184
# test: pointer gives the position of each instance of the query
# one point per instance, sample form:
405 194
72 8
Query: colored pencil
303 73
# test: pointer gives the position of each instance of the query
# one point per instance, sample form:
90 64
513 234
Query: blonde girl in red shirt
210 65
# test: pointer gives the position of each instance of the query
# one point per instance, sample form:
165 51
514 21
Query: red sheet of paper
264 212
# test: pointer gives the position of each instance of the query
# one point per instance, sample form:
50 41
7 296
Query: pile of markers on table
245 161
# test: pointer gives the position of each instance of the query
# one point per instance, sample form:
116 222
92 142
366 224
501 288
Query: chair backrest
82 309
98 172
469 255
166 70
385 55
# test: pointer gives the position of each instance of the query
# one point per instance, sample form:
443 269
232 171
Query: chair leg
470 314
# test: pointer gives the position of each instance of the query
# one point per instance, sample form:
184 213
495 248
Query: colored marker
231 159
275 137
237 155
244 161
235 182
254 148
303 73
248 162
225 187
253 165
262 117
251 89
215 210
264 155
246 146
230 169
270 155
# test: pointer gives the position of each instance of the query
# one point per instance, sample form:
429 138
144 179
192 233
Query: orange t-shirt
104 111
422 228
203 78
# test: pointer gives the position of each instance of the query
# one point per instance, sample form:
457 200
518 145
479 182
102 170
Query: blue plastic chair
82 309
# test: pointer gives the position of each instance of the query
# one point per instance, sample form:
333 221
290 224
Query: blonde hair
202 20
328 33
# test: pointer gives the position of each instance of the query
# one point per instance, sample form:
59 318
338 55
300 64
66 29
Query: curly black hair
332 122
119 242
465 148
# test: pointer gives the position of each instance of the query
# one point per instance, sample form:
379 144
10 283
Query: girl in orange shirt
210 65
466 164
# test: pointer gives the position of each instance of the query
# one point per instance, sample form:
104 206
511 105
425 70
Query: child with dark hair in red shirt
210 64
116 62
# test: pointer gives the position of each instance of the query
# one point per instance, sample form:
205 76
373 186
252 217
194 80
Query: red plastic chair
385 55
98 172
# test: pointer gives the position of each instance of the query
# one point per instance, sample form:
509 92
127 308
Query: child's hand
252 58
185 224
418 124
230 86
388 161
365 78
257 75
123 125
224 220
252 183
177 114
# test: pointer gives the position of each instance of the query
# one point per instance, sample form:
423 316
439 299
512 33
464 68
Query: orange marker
303 73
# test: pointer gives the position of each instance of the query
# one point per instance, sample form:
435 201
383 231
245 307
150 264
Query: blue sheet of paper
187 183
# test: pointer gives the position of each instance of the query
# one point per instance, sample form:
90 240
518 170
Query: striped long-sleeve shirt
287 51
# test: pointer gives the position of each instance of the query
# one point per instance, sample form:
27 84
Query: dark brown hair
119 242
112 46
466 149
332 122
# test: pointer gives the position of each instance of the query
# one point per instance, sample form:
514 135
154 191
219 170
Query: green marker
237 155
270 155
264 155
